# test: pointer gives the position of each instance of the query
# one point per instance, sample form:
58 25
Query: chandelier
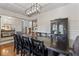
34 9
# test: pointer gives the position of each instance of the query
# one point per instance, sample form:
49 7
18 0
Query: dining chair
38 47
76 47
15 41
18 44
74 51
26 46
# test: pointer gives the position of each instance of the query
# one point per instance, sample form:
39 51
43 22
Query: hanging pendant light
34 9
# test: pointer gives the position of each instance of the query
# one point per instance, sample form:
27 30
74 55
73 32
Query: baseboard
7 41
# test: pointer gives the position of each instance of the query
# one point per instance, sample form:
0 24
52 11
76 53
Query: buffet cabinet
7 33
59 31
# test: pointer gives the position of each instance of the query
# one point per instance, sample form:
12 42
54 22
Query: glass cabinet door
54 28
61 29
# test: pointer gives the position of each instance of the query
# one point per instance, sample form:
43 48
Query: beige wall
15 22
71 11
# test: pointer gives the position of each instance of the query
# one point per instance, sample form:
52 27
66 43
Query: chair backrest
76 46
20 33
18 40
26 42
38 47
15 39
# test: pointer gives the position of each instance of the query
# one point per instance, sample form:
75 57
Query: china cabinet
59 31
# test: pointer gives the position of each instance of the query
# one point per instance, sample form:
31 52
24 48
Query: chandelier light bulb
34 9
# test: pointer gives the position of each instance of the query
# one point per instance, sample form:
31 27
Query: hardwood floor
7 50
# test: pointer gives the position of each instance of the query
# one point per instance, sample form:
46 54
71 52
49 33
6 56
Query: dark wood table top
48 46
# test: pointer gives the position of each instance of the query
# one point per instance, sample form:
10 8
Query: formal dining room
39 29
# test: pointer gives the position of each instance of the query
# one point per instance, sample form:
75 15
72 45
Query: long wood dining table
47 43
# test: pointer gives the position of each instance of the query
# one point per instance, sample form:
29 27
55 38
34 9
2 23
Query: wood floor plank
7 50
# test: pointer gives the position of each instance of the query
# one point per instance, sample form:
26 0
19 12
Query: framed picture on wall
7 26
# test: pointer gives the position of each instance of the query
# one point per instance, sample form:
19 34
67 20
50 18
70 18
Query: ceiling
16 7
21 7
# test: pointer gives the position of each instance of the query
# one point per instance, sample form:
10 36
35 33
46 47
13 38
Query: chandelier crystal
34 9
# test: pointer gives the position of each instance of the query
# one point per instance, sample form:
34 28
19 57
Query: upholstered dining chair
76 47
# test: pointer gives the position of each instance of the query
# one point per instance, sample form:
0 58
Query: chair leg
25 53
21 53
29 54
14 48
17 51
